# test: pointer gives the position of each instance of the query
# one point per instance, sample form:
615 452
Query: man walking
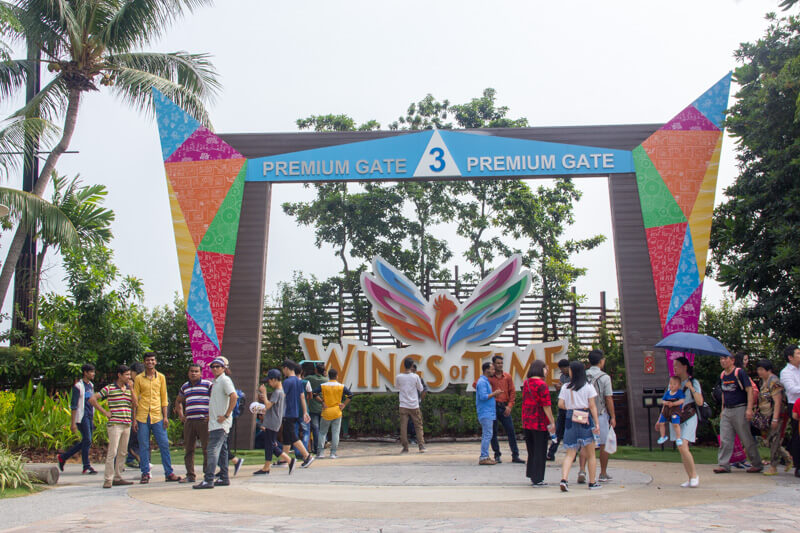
335 398
790 379
316 380
737 411
486 407
120 409
150 389
192 408
605 412
295 404
82 419
409 386
220 410
504 403
272 416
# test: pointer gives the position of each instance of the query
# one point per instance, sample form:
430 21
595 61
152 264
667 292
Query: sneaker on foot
422 449
61 462
564 485
662 440
721 470
595 486
333 456
581 478
222 483
538 483
497 459
518 461
291 465
694 482
89 470
237 466
604 478
203 485
260 472
307 461
145 479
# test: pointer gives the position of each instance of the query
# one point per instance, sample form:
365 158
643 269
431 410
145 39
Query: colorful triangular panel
681 158
714 101
174 125
203 349
664 243
703 211
223 231
686 319
183 242
201 187
690 119
658 206
687 278
198 305
217 270
203 145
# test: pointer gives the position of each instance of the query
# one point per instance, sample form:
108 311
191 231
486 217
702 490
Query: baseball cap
274 374
220 361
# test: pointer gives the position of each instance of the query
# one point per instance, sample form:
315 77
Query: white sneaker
694 482
333 456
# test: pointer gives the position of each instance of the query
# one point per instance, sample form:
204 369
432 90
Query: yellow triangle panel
183 241
703 210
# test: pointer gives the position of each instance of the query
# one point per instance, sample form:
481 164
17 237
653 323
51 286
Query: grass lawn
20 491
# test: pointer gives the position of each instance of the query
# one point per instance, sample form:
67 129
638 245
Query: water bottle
553 437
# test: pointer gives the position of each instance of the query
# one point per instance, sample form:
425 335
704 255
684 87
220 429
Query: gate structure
662 180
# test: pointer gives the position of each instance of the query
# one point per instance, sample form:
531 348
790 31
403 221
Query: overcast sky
556 63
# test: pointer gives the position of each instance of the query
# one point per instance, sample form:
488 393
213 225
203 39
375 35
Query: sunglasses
216 366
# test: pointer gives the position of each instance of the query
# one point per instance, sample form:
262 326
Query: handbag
761 422
579 416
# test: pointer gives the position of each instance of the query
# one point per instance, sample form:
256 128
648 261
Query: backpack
240 401
594 383
717 392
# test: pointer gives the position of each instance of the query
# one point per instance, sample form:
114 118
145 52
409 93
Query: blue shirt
293 388
670 397
88 392
484 405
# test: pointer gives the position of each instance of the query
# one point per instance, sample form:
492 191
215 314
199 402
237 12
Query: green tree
89 42
757 227
169 339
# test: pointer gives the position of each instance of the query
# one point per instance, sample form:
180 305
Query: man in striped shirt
121 405
192 408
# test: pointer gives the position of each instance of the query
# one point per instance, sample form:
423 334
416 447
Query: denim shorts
576 436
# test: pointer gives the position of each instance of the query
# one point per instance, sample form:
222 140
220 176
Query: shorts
604 425
674 419
288 432
576 436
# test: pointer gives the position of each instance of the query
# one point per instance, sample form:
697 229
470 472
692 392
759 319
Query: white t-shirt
221 392
409 386
578 399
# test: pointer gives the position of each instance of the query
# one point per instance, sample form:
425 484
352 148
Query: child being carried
672 402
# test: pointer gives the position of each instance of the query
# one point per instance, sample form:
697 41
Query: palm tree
89 42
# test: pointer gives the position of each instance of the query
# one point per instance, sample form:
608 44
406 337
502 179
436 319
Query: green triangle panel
659 207
221 234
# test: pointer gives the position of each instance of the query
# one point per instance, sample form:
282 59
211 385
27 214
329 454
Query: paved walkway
372 488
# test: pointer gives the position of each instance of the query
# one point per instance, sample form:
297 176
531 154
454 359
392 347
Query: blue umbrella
695 343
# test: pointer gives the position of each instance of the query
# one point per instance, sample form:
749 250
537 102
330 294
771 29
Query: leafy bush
12 472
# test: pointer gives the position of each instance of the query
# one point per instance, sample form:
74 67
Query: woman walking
582 423
768 416
693 396
537 421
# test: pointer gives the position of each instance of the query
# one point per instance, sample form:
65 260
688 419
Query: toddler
672 402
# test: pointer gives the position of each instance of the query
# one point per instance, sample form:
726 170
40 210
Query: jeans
732 422
335 426
304 434
133 447
508 425
144 446
117 448
315 421
217 455
85 426
486 436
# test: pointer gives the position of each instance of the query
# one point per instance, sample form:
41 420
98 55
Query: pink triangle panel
203 145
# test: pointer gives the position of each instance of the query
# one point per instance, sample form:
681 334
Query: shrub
12 471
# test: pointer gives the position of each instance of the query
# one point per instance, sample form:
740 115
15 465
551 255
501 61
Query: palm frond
20 133
13 74
139 21
39 216
81 204
47 22
49 103
134 88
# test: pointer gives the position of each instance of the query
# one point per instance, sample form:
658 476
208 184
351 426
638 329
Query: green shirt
315 406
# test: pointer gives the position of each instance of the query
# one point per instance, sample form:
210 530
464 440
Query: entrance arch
662 182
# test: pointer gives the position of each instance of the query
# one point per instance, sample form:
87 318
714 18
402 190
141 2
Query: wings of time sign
448 339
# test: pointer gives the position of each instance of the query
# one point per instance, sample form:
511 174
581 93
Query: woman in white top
578 395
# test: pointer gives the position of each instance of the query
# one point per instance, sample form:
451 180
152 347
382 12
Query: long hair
685 362
578 372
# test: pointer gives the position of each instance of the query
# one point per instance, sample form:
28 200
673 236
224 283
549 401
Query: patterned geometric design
205 181
683 158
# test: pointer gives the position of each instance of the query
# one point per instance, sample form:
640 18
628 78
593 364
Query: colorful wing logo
399 306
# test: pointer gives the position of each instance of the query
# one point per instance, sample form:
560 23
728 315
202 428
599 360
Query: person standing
409 386
335 398
220 411
295 405
734 420
693 396
504 403
605 411
120 412
790 379
770 401
315 379
563 379
581 427
150 389
274 409
411 430
486 407
537 421
82 421
192 408
132 460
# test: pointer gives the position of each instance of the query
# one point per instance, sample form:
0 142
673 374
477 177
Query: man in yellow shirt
150 389
335 397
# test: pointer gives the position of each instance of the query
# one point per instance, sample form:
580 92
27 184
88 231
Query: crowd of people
298 407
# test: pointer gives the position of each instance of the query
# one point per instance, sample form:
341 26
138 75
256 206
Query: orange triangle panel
681 158
217 270
200 187
665 244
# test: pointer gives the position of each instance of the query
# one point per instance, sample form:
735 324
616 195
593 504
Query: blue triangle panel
687 278
714 101
198 305
174 125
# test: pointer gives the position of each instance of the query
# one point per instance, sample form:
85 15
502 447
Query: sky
556 63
